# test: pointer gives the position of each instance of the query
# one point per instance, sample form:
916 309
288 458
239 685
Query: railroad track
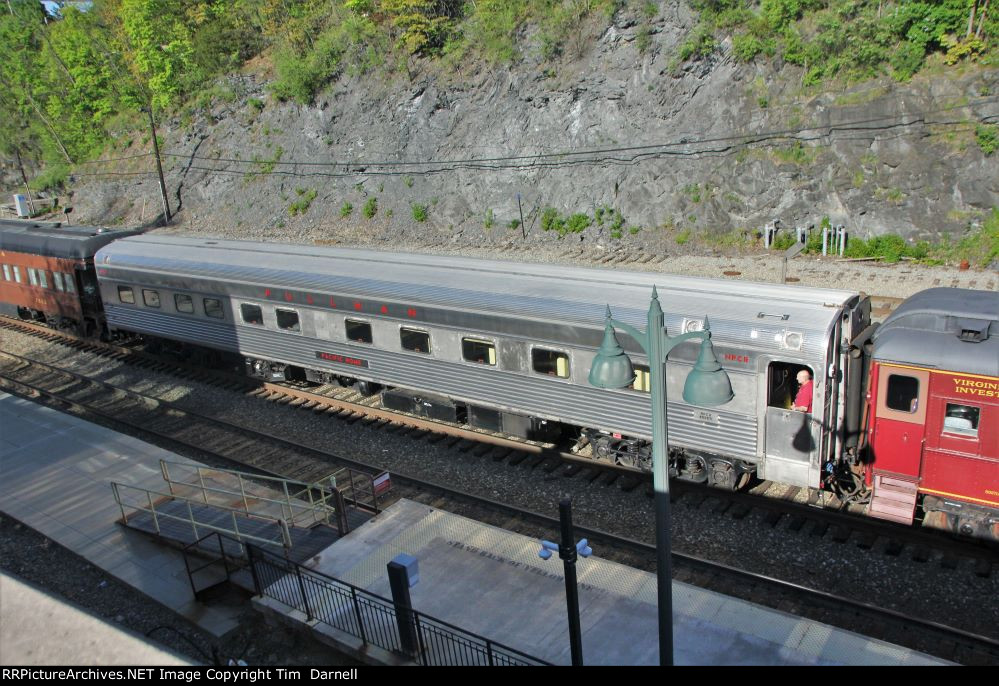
808 513
226 442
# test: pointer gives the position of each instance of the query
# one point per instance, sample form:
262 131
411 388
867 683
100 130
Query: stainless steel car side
508 340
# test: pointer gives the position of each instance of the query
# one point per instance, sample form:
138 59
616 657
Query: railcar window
184 303
151 298
6 273
57 281
961 419
288 320
126 295
358 331
69 282
417 341
902 394
643 382
213 308
550 362
252 314
32 277
477 350
42 279
17 274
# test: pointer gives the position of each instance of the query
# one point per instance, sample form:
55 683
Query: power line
530 163
524 161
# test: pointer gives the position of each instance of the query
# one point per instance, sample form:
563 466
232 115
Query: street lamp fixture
707 384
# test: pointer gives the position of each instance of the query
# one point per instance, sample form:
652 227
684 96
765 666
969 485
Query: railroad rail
799 507
273 454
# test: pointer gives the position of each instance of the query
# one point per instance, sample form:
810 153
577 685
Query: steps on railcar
894 498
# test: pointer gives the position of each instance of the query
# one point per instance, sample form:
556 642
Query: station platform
56 475
72 634
57 471
491 582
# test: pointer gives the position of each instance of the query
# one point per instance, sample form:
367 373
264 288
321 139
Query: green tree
156 42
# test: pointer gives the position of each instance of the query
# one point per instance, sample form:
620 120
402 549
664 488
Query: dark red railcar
933 423
47 274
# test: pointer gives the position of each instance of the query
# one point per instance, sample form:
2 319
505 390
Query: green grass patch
304 201
987 136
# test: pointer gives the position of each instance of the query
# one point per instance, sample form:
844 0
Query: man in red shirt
803 400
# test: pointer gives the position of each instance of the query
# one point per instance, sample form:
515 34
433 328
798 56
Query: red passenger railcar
933 422
47 274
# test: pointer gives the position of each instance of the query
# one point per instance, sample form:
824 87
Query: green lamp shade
611 367
707 384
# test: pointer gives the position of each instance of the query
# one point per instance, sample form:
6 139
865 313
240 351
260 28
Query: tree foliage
854 38
67 81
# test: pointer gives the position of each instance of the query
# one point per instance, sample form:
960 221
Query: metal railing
300 503
153 503
203 548
373 619
361 490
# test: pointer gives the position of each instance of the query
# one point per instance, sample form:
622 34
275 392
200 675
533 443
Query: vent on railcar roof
973 330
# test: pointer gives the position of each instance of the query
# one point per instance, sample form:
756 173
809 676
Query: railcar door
791 436
900 420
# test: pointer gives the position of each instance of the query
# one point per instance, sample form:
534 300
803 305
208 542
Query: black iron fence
373 619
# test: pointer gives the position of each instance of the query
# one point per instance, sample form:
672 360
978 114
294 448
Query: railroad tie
773 517
841 534
499 453
866 541
518 457
628 483
722 506
797 521
551 464
819 529
572 470
893 548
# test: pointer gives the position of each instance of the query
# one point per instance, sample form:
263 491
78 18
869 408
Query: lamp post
568 552
706 385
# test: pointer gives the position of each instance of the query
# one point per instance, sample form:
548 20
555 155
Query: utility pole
159 166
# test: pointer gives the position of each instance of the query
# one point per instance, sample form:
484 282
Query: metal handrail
318 508
285 538
372 618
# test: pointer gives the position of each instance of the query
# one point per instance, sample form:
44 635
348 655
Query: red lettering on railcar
341 359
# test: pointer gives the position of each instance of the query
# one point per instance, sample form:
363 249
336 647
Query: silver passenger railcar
509 345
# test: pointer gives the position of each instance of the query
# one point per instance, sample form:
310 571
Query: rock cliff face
707 146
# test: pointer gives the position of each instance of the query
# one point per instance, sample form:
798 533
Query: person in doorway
803 400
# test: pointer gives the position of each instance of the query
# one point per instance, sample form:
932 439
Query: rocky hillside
650 150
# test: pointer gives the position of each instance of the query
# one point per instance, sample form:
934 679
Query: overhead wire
621 155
